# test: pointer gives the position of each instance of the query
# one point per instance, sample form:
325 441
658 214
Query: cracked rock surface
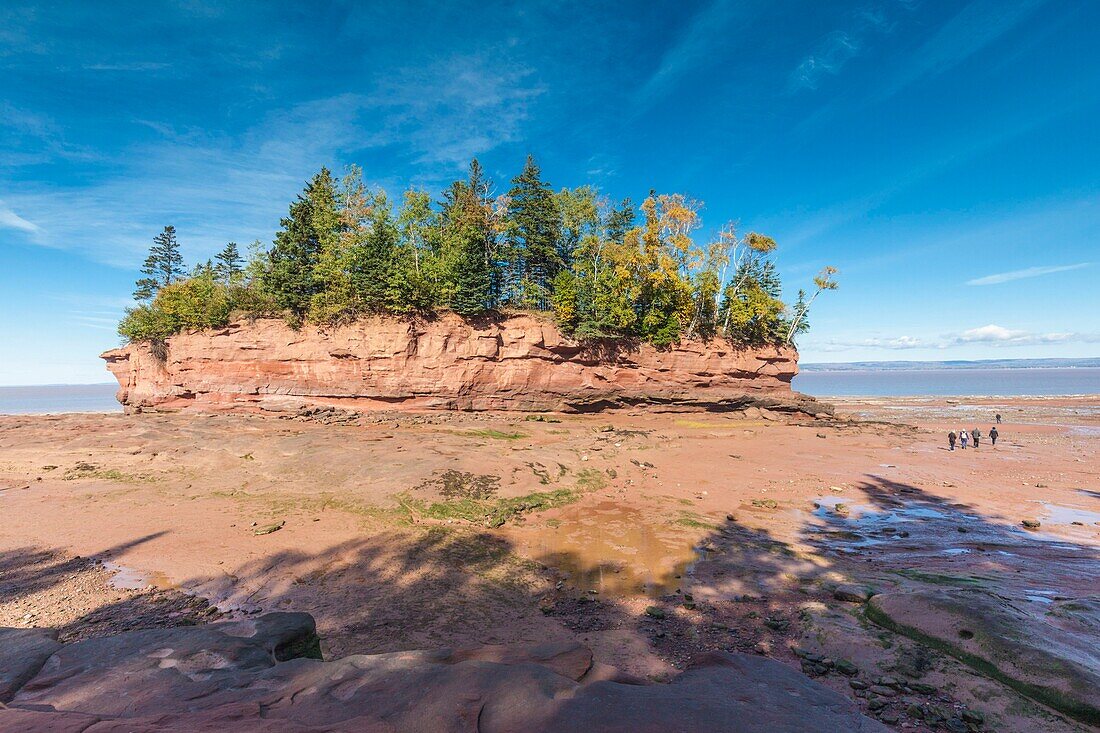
265 674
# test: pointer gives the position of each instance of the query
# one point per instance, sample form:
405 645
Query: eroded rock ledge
510 363
264 674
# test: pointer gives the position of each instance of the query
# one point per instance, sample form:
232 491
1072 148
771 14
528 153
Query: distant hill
957 364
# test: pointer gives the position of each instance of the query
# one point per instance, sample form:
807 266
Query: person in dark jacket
993 436
951 439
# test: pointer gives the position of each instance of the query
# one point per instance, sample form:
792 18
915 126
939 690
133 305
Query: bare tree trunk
801 314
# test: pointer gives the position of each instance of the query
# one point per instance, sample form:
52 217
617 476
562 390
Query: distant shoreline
883 366
59 399
955 400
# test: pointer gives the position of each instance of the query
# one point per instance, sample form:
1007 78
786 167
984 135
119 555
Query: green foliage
197 303
417 270
468 235
605 273
470 276
799 323
495 434
533 229
164 265
492 512
230 266
146 323
312 226
752 316
564 300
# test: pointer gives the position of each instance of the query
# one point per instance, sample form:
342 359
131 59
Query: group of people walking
963 437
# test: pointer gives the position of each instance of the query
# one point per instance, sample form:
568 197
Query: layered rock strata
263 675
509 363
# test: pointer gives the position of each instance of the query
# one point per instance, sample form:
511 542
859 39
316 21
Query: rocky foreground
265 674
511 363
933 590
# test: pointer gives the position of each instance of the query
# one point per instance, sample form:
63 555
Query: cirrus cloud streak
990 335
1004 277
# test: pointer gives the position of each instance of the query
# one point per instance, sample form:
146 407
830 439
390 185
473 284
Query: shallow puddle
826 507
1059 514
1040 596
612 549
125 578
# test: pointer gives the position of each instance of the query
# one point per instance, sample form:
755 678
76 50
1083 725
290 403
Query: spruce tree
372 259
620 221
312 222
469 244
534 232
230 265
163 266
471 275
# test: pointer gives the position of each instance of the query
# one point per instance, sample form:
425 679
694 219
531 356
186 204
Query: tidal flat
649 537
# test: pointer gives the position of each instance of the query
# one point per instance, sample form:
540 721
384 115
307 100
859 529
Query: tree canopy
603 270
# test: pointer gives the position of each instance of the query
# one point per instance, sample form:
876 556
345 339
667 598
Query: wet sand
737 528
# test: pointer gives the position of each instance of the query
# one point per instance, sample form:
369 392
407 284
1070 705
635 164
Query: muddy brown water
125 578
612 549
618 550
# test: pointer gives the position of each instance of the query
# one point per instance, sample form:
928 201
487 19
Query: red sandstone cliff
515 363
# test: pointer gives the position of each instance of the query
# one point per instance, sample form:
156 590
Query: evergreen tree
534 234
800 306
342 252
473 281
230 266
620 221
312 224
163 266
468 244
823 281
205 269
372 258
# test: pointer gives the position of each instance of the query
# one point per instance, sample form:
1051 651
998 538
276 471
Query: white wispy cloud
840 46
976 26
972 29
31 138
445 113
98 323
828 59
215 188
10 220
989 335
709 31
1000 336
1004 277
137 66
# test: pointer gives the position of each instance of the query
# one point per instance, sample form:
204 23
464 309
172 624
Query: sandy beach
414 531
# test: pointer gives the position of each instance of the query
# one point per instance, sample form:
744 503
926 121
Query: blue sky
943 155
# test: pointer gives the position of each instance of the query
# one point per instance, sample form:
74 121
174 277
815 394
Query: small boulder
270 528
846 668
852 593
